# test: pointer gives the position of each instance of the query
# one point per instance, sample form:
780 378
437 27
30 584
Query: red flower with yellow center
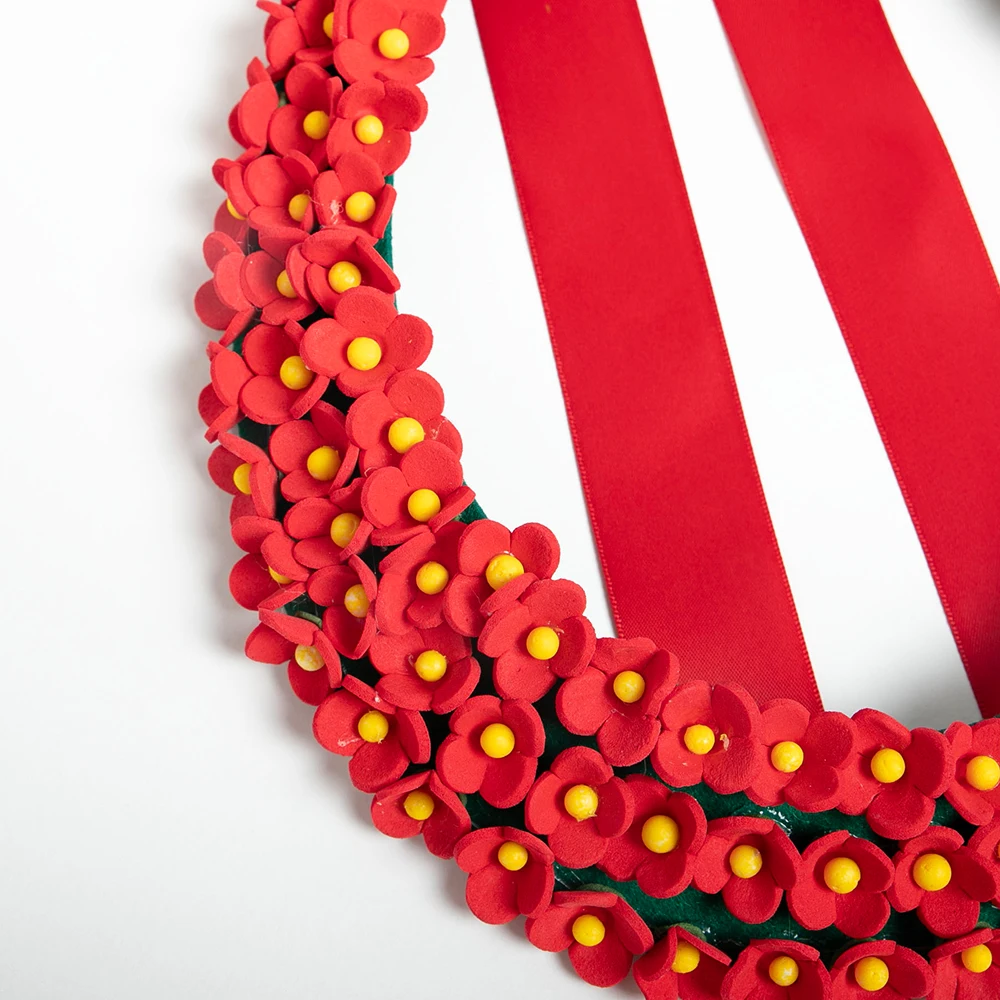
347 592
967 968
974 789
777 970
421 804
681 966
881 969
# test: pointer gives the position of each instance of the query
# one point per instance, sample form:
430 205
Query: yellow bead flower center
871 974
298 206
783 971
343 276
931 872
687 958
231 208
404 433
581 802
309 658
841 875
323 463
328 25
502 569
588 930
373 727
363 354
393 43
316 124
343 528
661 834
497 740
512 856
983 773
542 643
432 578
423 505
430 665
888 766
745 861
978 958
368 129
699 739
787 757
241 478
284 285
629 686
360 206
279 578
294 374
418 805
356 601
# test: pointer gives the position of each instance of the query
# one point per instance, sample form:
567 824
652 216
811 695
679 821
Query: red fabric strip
905 269
679 517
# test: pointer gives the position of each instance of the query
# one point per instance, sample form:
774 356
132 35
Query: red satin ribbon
905 269
679 517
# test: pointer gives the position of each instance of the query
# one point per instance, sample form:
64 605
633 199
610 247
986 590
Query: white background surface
167 826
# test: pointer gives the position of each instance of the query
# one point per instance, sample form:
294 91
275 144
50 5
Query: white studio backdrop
168 828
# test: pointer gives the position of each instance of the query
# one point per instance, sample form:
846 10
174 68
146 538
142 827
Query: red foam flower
578 843
471 596
953 981
296 34
220 302
465 767
953 909
903 808
555 605
827 743
229 225
441 830
304 122
389 493
978 806
314 668
736 755
263 190
603 964
748 977
358 56
354 173
402 603
224 465
348 619
311 522
496 894
403 341
627 857
859 913
373 764
986 843
587 704
751 899
395 657
269 564
399 108
268 284
412 395
295 441
910 976
655 976
249 120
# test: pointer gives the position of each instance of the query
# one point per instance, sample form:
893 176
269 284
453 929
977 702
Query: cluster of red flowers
303 302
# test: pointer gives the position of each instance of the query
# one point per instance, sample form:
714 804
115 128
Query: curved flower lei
732 849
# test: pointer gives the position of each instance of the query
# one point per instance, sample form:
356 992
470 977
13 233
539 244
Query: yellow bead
432 578
871 974
393 43
404 433
423 505
360 206
241 478
661 834
931 872
787 756
542 643
430 665
581 802
343 276
356 601
316 124
978 958
363 354
699 739
783 970
294 374
841 875
328 25
309 658
687 958
343 528
373 727
232 211
983 773
888 766
368 129
418 805
284 285
588 930
745 861
497 740
502 569
629 686
298 206
278 578
512 856
323 463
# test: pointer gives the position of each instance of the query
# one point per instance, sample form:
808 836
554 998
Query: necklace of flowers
465 683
